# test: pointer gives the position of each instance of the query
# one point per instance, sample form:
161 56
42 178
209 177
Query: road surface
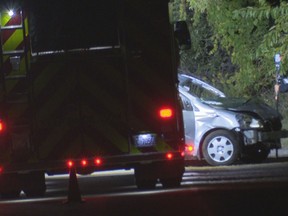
235 190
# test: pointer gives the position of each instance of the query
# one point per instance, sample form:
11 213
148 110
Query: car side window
201 92
192 88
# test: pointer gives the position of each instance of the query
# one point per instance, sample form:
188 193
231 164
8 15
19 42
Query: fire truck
89 85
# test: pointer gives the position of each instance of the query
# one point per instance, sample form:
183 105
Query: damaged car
222 130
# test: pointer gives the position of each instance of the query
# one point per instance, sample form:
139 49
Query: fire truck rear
91 86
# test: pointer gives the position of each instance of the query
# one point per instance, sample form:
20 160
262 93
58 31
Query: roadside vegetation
234 44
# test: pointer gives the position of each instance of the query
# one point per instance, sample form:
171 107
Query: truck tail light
98 161
166 113
169 156
84 163
70 164
2 126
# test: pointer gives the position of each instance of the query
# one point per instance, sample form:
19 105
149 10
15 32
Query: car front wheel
220 148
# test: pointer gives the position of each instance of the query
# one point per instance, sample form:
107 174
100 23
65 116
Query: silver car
222 130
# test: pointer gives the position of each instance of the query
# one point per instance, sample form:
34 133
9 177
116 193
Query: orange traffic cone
74 194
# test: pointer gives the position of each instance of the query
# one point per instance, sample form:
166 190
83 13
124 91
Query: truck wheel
171 182
33 184
170 174
10 186
145 177
12 194
220 148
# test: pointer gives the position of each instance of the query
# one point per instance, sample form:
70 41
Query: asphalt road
254 189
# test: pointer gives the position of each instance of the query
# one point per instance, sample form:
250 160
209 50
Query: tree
251 32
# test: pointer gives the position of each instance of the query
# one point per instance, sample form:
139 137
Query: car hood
252 105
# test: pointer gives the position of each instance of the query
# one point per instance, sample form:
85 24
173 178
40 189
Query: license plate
145 140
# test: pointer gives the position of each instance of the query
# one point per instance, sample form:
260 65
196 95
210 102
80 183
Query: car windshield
199 88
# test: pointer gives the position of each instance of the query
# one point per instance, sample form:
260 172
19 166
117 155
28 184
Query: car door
189 122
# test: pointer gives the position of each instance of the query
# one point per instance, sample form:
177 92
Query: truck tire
171 174
145 177
10 186
33 184
220 148
171 182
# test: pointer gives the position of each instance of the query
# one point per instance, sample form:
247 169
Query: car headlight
246 121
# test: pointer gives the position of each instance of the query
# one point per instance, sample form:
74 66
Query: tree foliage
249 32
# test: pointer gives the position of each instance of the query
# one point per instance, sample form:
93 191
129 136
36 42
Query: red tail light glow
165 113
98 161
84 162
2 126
183 154
70 163
169 156
189 149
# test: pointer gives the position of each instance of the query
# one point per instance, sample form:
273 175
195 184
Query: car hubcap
220 149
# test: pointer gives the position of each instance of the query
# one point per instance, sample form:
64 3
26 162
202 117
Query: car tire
220 148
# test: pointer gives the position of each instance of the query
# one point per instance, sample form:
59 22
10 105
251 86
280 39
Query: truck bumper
91 165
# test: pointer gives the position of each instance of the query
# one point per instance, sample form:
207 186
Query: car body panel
206 109
202 119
